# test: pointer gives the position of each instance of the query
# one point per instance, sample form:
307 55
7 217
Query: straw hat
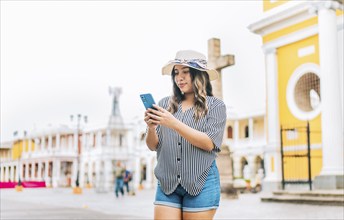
191 59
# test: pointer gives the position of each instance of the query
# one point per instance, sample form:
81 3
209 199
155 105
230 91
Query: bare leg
206 215
165 212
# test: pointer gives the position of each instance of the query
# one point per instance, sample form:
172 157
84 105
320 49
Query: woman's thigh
162 212
205 215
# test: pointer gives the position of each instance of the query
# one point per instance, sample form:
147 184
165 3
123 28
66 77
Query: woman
186 131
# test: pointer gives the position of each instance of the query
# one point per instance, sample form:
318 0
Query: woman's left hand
161 116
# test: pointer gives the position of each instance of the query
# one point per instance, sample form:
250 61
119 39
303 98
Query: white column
43 143
83 143
37 145
99 139
75 145
26 177
331 117
98 179
250 129
39 174
2 174
58 142
33 171
108 175
70 142
90 178
50 142
109 141
24 145
91 139
236 131
272 99
237 166
6 173
253 167
272 157
56 172
12 173
82 173
46 173
29 146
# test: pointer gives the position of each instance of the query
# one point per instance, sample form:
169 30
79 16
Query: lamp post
77 189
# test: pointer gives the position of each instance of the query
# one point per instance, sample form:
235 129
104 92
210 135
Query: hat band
196 63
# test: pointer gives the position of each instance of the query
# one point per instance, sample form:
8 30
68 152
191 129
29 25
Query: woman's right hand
149 121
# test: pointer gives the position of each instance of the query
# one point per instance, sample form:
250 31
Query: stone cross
218 62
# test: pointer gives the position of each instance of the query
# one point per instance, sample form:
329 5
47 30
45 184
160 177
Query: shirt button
179 143
178 159
178 176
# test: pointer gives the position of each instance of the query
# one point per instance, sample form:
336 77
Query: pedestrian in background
127 179
186 130
119 176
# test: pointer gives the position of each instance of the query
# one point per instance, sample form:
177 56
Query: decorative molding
273 20
293 12
297 74
301 147
297 36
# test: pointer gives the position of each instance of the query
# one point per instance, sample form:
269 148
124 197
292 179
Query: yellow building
302 42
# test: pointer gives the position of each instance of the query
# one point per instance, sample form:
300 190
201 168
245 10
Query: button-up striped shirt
180 162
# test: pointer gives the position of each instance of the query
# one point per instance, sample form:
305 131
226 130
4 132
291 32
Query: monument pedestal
224 165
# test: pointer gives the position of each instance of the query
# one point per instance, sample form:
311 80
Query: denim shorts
207 199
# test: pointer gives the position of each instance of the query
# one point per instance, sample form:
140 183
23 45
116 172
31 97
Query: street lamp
77 189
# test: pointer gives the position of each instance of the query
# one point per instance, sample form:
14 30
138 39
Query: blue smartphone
147 100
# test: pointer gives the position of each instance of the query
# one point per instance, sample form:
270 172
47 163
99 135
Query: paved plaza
61 203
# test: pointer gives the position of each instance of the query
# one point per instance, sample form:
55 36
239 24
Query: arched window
230 132
246 131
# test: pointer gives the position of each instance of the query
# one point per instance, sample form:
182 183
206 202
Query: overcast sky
60 57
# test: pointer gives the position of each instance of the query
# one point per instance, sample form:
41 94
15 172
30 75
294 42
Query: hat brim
167 70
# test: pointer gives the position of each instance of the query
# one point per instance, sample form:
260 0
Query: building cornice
291 13
296 36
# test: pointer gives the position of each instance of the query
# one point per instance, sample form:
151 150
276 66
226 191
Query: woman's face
183 79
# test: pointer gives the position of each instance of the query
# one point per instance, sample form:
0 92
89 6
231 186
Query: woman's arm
195 137
152 139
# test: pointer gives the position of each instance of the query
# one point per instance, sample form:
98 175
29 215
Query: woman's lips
181 85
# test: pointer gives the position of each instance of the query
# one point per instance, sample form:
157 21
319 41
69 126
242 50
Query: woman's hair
201 86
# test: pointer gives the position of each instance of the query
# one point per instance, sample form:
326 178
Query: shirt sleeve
215 125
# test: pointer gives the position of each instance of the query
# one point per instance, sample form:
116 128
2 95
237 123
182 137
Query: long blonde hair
201 86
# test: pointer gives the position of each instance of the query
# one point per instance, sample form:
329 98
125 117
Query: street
61 203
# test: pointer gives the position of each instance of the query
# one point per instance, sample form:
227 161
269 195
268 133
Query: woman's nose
179 78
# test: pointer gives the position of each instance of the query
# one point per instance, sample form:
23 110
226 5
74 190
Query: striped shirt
180 162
